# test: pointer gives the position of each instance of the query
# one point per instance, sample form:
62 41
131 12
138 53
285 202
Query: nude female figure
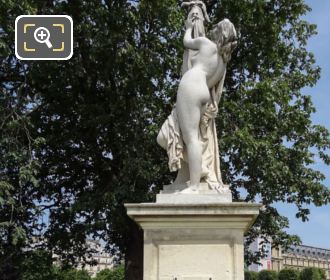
208 68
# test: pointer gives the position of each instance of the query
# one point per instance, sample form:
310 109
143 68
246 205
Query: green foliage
312 273
265 128
104 274
37 265
19 214
250 275
322 274
267 275
74 274
117 274
77 137
288 274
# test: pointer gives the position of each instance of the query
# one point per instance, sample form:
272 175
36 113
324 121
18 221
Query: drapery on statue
189 133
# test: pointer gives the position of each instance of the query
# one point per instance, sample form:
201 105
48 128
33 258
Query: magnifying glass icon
41 35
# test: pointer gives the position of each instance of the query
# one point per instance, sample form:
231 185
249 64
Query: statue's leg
194 151
189 117
183 174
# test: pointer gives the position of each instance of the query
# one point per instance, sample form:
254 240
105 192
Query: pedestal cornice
220 215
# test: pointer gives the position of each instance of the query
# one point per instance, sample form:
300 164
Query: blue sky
316 232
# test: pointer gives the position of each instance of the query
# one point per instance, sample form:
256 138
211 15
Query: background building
297 257
266 262
300 257
102 259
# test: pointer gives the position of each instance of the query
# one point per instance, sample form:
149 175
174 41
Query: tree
99 114
268 275
322 274
107 274
20 214
312 273
288 274
74 274
268 143
38 265
104 274
250 275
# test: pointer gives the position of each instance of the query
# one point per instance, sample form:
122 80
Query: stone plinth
172 194
193 241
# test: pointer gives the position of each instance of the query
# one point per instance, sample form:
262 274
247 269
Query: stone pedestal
196 241
172 194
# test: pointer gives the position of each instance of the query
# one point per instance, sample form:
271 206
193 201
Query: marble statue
194 230
189 134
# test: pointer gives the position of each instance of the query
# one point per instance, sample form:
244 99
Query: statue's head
196 13
225 36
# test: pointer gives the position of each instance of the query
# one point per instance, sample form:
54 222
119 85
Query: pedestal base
172 194
193 241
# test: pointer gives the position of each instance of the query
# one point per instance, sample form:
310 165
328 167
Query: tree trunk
134 254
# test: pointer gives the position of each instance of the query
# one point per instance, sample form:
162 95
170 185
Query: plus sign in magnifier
41 35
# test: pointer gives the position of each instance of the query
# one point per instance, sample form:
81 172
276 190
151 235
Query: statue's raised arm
198 15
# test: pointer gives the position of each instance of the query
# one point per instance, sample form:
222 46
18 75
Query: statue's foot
222 188
191 189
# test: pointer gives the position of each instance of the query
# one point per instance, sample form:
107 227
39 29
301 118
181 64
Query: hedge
312 273
268 275
288 274
250 275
